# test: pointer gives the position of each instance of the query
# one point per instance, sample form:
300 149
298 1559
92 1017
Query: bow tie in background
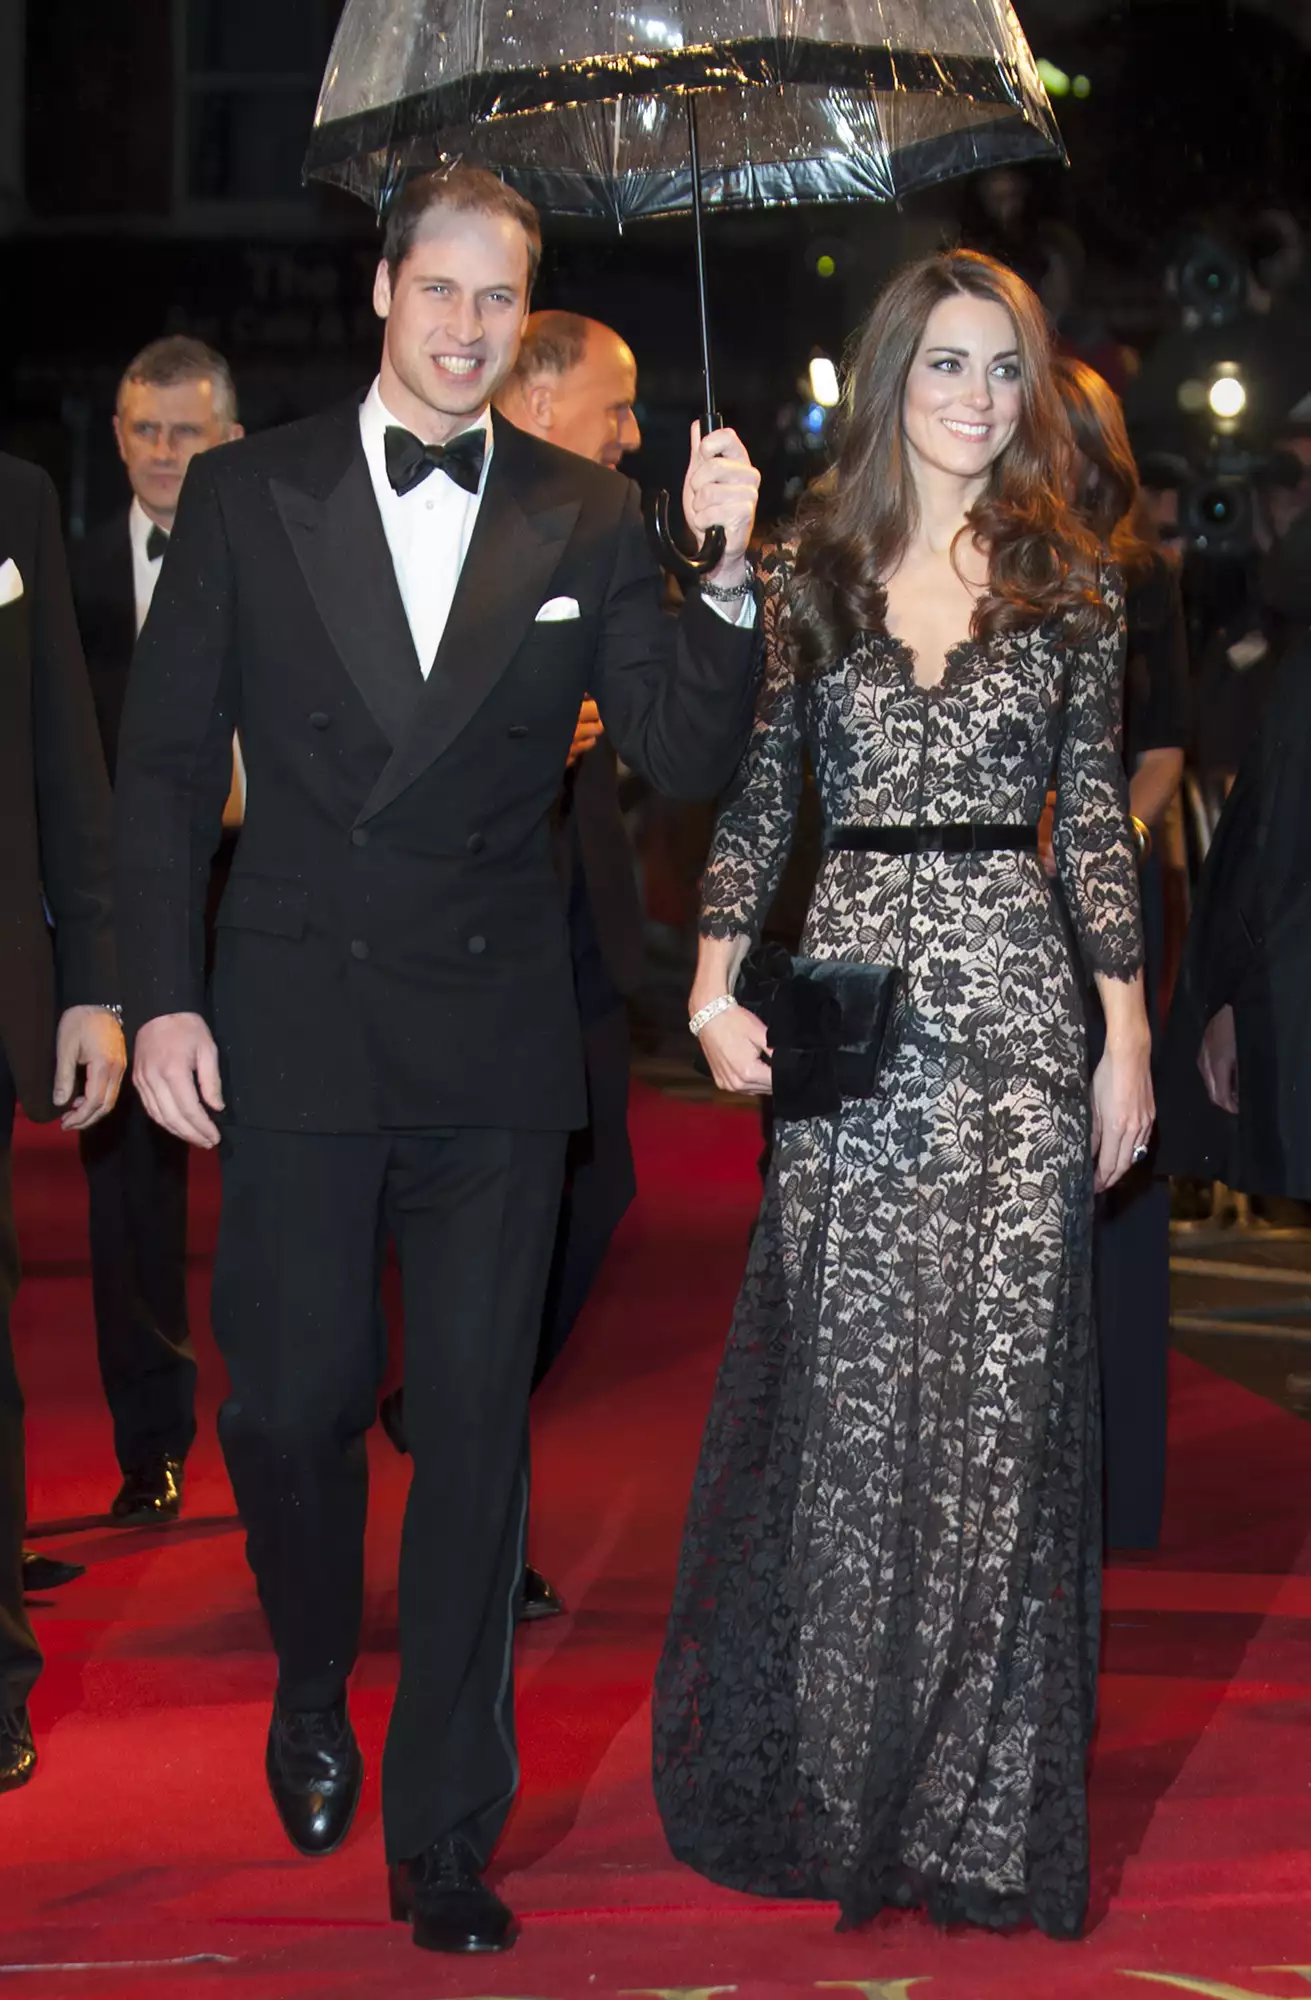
409 460
156 543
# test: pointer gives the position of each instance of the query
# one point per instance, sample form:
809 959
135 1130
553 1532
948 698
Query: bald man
575 385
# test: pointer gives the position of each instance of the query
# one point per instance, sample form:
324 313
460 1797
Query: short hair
466 190
179 358
553 343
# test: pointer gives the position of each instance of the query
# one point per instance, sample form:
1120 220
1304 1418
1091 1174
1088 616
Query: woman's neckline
953 659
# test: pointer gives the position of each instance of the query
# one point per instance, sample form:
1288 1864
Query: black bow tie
156 543
410 460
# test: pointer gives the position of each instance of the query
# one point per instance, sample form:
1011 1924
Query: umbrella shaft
712 419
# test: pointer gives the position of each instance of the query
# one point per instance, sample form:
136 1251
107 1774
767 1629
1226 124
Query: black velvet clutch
829 1025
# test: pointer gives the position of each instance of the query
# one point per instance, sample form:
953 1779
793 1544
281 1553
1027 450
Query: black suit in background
54 837
1131 1239
395 1012
1249 947
595 863
136 1173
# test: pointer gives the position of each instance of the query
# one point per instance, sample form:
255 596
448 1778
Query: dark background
149 182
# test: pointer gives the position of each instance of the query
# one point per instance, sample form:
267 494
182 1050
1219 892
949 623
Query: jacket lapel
513 553
342 550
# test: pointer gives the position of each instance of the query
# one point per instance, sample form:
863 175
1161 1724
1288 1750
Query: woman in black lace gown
878 1681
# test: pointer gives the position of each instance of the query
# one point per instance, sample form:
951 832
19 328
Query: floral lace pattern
878 1681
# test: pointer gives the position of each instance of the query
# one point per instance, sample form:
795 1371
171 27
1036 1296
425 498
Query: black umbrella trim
479 98
649 196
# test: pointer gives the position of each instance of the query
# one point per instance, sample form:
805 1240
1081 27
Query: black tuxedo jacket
105 596
54 798
392 946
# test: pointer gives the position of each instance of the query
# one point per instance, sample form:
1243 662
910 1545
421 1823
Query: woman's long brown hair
1107 492
855 526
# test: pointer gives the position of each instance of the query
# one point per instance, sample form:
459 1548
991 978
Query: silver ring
1140 1153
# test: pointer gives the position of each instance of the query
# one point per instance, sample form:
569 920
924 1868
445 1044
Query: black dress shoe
315 1772
17 1750
391 1415
149 1496
47 1573
442 1894
540 1599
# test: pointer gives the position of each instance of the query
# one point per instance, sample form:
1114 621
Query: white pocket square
11 582
557 608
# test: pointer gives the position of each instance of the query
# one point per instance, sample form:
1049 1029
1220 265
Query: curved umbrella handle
685 567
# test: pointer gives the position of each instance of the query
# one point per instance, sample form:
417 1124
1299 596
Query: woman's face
963 392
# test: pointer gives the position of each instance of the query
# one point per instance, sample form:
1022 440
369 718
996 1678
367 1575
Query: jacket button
318 720
360 836
477 944
518 729
358 948
476 843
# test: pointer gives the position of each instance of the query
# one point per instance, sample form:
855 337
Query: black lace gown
879 1677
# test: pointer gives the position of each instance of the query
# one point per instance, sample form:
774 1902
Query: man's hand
721 491
89 1038
175 1053
588 730
1218 1060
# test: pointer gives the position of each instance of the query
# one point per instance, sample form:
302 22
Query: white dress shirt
428 529
145 574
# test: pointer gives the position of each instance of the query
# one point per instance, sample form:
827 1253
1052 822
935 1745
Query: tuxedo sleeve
72 788
175 761
676 696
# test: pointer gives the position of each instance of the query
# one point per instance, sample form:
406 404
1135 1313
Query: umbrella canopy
580 103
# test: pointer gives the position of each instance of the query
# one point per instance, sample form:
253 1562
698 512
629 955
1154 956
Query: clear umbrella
659 106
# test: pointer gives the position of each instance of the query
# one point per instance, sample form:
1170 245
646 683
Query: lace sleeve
1091 835
756 821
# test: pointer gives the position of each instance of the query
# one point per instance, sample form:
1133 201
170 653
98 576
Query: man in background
176 399
61 1048
575 386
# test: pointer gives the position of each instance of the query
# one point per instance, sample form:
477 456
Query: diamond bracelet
709 1012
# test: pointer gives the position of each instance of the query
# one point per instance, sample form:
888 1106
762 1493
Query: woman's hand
735 1045
1123 1108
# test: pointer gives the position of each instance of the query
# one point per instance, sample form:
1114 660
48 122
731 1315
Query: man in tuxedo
575 386
61 1047
400 606
175 399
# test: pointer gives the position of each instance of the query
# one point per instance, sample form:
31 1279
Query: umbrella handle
685 567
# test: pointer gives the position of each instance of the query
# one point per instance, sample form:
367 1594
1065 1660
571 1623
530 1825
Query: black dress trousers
472 1213
136 1176
20 1656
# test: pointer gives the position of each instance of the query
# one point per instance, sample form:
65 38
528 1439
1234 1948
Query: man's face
455 314
159 432
591 408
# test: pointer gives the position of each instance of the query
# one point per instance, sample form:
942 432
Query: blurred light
1056 81
1082 86
814 419
825 265
1227 396
824 382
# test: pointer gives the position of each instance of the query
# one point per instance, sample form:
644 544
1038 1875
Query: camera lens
1216 507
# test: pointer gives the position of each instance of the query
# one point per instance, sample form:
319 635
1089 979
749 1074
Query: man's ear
232 432
118 437
540 399
382 289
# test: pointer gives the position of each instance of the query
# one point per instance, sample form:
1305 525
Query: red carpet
145 1857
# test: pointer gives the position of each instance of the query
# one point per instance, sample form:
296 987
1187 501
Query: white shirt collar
139 527
375 417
